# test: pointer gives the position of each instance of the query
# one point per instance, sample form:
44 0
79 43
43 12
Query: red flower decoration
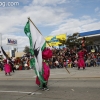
47 54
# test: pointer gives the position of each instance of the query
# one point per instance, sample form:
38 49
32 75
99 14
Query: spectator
98 61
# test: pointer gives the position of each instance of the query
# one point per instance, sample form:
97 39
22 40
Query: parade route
61 73
78 85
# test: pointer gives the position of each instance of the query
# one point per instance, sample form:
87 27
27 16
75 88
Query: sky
52 17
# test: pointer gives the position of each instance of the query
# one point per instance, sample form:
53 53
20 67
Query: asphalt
78 85
61 73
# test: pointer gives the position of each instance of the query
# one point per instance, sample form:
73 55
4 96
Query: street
61 88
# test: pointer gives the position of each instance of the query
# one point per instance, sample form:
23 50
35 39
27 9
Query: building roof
93 35
90 33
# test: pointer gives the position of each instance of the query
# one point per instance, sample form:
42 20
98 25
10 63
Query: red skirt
81 62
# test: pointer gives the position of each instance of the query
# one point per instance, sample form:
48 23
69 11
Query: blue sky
52 17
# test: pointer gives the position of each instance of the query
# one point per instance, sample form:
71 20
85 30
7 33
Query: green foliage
74 41
89 41
26 49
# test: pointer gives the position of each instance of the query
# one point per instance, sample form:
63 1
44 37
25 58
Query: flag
7 57
37 45
4 53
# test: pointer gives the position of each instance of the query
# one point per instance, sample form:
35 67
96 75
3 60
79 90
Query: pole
34 25
44 38
37 29
67 70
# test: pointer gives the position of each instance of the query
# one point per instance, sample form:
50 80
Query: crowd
64 57
69 58
19 63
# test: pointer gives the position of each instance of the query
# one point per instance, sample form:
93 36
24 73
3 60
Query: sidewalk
89 72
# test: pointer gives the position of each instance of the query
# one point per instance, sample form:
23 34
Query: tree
26 49
75 41
89 41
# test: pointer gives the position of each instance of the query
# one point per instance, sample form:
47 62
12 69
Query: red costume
46 54
81 62
7 67
46 73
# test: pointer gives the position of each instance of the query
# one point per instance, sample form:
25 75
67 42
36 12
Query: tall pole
37 29
44 38
34 25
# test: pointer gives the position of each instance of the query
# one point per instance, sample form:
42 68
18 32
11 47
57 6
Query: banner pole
37 29
42 35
